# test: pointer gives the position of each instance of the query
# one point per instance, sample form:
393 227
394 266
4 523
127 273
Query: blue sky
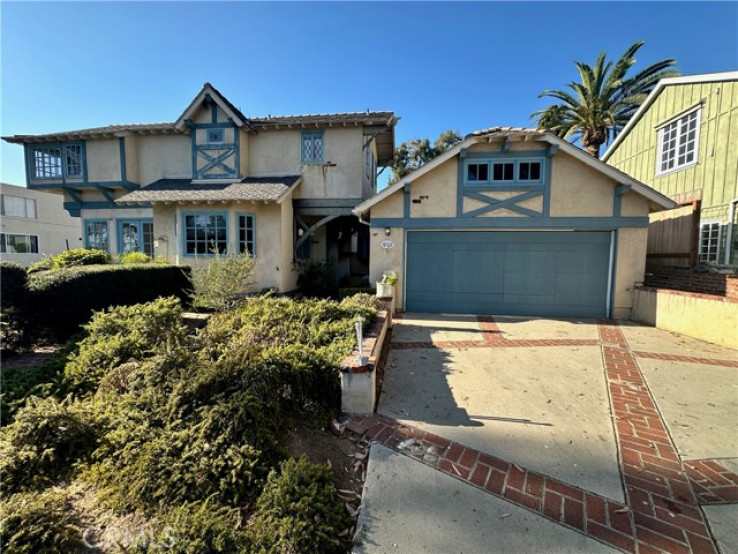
436 65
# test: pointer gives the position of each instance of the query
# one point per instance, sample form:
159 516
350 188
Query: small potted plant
386 287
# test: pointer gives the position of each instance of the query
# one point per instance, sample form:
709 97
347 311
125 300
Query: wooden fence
673 236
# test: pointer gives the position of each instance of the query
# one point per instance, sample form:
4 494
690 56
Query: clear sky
436 65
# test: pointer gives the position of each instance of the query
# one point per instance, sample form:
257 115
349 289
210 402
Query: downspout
731 224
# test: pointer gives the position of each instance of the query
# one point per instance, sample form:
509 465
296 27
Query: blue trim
122 147
584 223
237 146
183 230
313 134
215 161
84 161
27 157
550 152
213 113
76 206
617 202
219 136
406 200
238 230
86 235
62 146
614 274
507 203
461 167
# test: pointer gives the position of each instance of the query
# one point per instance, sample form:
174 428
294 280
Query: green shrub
44 264
298 511
121 334
80 256
135 258
221 281
42 380
316 279
352 281
204 528
61 301
13 311
39 523
351 291
43 443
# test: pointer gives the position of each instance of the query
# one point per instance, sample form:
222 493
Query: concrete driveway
622 433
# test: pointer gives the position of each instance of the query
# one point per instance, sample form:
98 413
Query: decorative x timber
507 203
225 152
663 493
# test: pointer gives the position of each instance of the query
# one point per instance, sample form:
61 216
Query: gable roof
525 134
209 91
663 83
250 189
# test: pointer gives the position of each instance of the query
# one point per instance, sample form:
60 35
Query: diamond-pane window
312 147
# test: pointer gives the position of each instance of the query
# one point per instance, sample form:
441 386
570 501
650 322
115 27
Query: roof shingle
256 189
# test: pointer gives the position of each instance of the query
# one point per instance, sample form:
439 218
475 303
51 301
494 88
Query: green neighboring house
683 142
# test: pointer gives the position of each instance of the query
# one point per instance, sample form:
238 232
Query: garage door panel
515 273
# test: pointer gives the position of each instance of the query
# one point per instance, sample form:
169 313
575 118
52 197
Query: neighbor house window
709 241
57 161
15 206
11 243
679 143
477 172
96 234
313 150
216 136
205 232
246 234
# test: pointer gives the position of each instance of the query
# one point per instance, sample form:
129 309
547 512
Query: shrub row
53 304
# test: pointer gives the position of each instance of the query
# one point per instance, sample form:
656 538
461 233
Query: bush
351 291
80 256
199 529
61 301
222 281
43 443
39 523
42 380
354 282
135 258
121 334
316 279
14 297
44 264
298 511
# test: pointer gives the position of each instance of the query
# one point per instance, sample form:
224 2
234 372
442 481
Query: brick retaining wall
692 281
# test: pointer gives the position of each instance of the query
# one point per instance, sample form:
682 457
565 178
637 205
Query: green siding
716 171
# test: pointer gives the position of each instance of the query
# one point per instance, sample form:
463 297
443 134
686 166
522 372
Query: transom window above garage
498 172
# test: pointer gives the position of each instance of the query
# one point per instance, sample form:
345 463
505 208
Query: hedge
62 300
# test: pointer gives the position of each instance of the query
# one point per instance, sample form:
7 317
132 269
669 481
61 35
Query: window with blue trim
507 171
246 234
96 234
529 171
205 233
313 147
216 136
477 172
57 161
503 171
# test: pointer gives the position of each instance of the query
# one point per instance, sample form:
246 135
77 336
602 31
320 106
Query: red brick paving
661 514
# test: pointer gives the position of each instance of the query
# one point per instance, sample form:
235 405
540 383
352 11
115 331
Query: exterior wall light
387 231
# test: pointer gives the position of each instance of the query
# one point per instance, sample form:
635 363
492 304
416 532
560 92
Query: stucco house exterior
513 221
683 142
280 187
34 224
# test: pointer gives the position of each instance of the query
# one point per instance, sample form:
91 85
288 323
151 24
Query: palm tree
603 101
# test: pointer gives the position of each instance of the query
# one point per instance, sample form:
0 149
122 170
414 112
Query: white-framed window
96 234
12 243
710 241
679 143
57 161
247 234
16 206
312 150
216 136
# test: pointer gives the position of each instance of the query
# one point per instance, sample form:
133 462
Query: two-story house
280 187
683 142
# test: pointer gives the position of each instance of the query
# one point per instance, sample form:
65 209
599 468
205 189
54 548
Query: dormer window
313 151
56 161
216 136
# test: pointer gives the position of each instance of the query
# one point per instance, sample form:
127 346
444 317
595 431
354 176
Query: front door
136 235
